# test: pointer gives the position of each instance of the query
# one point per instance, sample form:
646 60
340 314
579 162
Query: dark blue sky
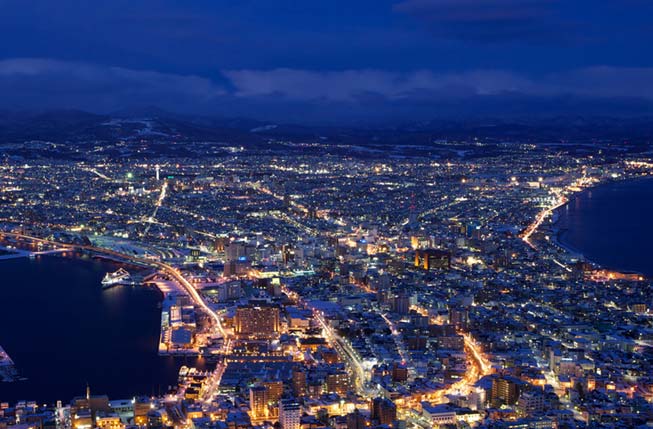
317 60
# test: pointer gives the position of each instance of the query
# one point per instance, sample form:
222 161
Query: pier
21 253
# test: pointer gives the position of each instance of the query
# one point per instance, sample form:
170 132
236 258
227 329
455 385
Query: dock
14 253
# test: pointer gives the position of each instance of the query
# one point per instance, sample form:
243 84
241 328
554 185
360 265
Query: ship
121 276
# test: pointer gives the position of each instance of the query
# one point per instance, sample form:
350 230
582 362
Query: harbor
120 327
10 252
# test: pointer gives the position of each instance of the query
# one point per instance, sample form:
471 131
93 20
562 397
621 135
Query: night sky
330 61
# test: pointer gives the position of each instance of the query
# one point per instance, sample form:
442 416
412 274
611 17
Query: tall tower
158 171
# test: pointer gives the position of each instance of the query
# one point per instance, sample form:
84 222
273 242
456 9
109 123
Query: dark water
62 331
612 225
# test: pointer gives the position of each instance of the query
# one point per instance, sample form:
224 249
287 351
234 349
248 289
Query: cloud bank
36 83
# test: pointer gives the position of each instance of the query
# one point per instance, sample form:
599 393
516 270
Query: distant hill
152 123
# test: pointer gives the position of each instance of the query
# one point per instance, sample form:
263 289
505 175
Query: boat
121 276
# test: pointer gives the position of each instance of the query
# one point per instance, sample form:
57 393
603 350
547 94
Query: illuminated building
84 409
439 414
399 373
530 402
82 419
240 267
315 388
259 321
298 382
401 303
383 410
142 406
275 390
258 401
356 420
236 250
459 317
108 421
338 383
290 413
505 391
429 259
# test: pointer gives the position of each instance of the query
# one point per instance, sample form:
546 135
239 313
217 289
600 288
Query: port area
9 252
8 371
184 331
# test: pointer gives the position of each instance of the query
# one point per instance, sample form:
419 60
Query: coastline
558 229
136 306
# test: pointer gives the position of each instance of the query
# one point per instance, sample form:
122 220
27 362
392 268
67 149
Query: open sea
612 225
62 331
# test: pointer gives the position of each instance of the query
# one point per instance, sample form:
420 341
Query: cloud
26 82
488 20
351 85
296 95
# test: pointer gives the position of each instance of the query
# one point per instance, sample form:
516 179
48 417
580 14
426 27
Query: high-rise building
383 410
315 388
356 420
338 382
298 382
401 303
505 391
275 390
459 317
399 372
531 402
290 413
235 250
430 259
259 321
258 401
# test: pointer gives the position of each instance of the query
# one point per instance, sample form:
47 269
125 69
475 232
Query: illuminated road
541 217
478 367
576 186
349 354
159 202
344 349
396 336
100 175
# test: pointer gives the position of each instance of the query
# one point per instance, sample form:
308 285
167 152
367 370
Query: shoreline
165 366
558 230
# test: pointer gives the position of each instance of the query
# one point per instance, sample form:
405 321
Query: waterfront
611 225
63 330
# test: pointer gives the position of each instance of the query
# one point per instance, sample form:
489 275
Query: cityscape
314 237
414 292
